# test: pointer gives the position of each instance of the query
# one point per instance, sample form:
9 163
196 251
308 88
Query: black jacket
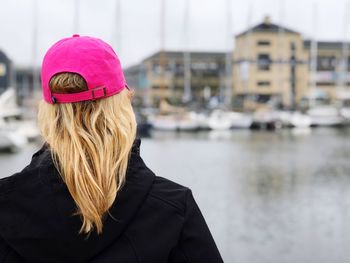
153 220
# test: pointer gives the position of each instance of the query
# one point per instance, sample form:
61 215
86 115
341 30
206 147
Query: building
207 71
18 77
331 77
270 64
26 86
6 72
273 64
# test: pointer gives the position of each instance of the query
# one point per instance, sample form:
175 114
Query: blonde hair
90 145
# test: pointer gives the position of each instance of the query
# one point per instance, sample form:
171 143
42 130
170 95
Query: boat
266 119
343 100
11 138
345 113
240 120
325 115
175 122
299 120
202 119
163 123
188 122
294 119
8 105
143 126
15 132
219 120
28 128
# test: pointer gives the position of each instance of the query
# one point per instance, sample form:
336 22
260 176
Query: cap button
76 35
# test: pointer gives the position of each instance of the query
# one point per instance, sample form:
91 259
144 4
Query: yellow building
270 64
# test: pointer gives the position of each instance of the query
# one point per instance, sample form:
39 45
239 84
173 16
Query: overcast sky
139 25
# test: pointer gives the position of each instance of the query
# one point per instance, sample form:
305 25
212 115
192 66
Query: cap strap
91 94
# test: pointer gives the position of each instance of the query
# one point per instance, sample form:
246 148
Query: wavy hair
90 144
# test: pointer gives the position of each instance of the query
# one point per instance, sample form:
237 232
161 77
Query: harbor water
268 197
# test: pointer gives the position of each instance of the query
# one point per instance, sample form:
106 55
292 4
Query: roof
268 27
193 54
133 68
4 57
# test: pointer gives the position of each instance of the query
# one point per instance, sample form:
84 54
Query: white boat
203 121
345 113
219 120
174 122
163 123
284 117
294 119
188 122
240 120
266 119
14 132
8 104
343 99
11 138
326 115
28 128
299 120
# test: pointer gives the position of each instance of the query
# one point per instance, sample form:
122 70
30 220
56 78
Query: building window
264 62
2 69
292 46
263 83
326 63
156 68
325 84
263 43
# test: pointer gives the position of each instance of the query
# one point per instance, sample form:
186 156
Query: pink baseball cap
91 58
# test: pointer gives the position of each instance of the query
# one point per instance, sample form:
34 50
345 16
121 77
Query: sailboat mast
228 58
313 62
34 45
162 51
281 59
342 79
117 27
245 67
76 16
281 30
187 56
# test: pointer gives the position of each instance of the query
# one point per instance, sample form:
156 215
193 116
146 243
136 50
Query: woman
87 196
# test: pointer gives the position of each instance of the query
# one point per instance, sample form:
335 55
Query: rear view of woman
87 195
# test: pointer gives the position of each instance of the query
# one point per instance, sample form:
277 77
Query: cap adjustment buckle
98 92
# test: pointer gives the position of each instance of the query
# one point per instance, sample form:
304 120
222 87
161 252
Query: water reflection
278 197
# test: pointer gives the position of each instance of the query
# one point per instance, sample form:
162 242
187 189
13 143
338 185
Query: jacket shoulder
170 193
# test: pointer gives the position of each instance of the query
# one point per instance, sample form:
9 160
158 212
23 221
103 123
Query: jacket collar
136 146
